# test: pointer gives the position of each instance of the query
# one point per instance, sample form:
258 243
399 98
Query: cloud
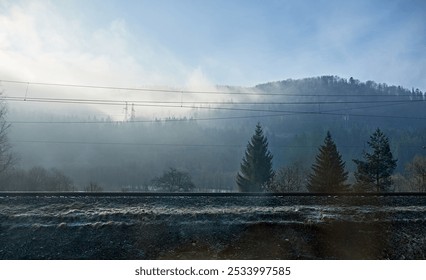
38 44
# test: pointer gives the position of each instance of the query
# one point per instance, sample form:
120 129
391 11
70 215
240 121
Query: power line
167 120
168 90
183 145
148 144
202 104
284 112
179 104
123 143
289 112
156 102
163 144
371 106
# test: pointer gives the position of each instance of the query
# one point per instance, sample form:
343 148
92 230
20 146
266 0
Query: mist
124 145
119 94
235 130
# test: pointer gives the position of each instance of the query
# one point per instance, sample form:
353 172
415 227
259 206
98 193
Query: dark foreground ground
209 227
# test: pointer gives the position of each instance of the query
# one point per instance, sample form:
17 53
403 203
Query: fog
204 132
121 92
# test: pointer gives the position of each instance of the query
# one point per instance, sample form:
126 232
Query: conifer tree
328 172
374 173
256 167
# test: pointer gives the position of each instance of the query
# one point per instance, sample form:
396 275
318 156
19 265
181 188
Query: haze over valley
119 95
208 140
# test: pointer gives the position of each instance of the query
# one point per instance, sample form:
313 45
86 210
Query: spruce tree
328 172
256 167
374 173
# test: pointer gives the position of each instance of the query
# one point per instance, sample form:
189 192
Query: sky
201 44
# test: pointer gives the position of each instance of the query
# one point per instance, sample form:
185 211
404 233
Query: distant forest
209 144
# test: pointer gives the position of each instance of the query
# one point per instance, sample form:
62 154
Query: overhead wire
282 113
202 104
194 145
154 102
164 120
180 91
162 144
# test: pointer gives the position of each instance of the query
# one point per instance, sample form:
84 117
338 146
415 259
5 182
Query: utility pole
126 112
132 113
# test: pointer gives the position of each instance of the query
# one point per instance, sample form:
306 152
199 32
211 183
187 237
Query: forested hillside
209 143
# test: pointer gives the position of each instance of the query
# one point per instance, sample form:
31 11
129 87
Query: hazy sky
184 43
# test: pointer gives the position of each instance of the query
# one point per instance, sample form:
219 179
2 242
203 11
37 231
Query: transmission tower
132 113
126 112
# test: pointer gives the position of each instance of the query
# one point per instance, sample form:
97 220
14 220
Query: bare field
212 227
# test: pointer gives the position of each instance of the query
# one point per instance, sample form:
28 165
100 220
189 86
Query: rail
198 194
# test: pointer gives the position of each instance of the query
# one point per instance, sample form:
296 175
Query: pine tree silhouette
256 168
328 172
374 173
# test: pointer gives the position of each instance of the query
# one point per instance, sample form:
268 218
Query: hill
209 142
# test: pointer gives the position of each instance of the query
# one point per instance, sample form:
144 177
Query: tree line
207 147
328 174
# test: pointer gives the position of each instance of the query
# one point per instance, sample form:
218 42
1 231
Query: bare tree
93 187
6 159
174 181
291 178
416 170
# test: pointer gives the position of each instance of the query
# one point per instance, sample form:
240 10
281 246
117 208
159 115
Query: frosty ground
212 227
